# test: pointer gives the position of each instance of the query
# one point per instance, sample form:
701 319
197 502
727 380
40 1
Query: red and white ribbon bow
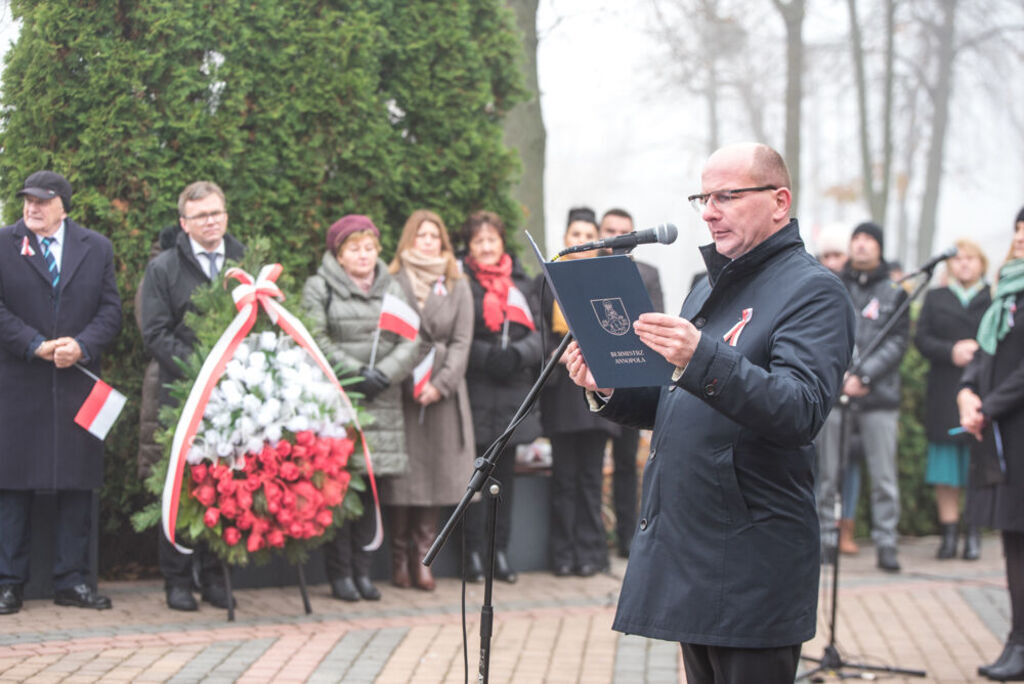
248 296
733 336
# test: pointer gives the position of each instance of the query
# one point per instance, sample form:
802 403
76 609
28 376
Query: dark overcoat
171 277
561 410
996 499
943 322
43 448
726 552
494 401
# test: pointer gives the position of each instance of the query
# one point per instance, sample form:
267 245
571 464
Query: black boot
999 662
1012 669
972 543
502 570
474 570
947 548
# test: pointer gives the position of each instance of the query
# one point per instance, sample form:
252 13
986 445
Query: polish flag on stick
398 317
517 310
101 407
421 373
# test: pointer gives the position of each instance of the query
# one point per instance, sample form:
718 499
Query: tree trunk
940 94
793 15
860 80
524 129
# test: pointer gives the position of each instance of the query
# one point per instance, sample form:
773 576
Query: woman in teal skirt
945 335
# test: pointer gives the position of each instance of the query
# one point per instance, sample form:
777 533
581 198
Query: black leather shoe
10 599
217 596
81 596
972 544
888 559
180 598
366 589
1012 669
563 570
502 570
999 662
344 589
474 570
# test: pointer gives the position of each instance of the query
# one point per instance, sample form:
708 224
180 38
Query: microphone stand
831 661
483 467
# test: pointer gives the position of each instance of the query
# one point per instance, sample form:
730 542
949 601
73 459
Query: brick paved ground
944 617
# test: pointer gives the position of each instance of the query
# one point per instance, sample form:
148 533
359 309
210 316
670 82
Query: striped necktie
51 261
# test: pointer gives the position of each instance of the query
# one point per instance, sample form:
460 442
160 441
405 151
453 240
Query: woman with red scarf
503 363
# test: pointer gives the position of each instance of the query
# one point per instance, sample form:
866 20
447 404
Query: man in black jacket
725 557
198 256
619 222
874 394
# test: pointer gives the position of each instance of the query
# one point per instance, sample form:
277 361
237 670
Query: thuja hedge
301 110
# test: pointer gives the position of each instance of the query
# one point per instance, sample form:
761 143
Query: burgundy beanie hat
345 226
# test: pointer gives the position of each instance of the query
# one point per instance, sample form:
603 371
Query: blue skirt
947 464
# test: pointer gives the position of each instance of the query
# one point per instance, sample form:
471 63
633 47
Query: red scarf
496 280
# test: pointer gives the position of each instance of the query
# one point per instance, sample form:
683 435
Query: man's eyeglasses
203 218
720 198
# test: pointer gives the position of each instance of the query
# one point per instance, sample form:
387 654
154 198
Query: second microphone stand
483 467
831 661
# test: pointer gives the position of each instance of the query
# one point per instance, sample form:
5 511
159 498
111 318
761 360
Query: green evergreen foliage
301 110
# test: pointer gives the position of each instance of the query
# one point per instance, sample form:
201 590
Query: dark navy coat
43 448
726 551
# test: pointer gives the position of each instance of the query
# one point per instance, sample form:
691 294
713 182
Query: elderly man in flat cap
59 307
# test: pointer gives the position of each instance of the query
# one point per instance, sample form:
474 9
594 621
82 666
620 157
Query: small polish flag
26 247
101 409
421 373
398 317
518 309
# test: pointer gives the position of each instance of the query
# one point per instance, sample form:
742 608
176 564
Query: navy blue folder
600 298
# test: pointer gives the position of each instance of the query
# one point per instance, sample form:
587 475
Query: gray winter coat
344 320
875 297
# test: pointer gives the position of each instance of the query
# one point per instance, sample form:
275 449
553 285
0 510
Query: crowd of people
484 327
774 355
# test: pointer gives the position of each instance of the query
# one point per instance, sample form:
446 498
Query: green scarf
965 295
998 319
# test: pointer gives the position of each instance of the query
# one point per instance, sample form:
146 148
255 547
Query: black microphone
665 234
929 266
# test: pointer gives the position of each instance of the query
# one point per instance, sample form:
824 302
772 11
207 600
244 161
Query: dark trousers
177 567
624 483
71 546
1013 549
475 519
723 665
344 555
577 533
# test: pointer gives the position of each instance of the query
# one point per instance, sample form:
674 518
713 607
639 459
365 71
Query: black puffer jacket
875 297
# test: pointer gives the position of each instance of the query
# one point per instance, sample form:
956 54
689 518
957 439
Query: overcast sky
617 135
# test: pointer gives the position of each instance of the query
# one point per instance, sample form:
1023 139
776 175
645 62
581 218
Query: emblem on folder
611 314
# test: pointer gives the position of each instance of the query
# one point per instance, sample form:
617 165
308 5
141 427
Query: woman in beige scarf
438 424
